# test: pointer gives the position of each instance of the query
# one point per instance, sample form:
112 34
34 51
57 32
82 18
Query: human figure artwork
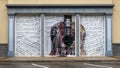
63 38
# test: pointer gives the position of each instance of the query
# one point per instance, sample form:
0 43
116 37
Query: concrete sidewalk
66 59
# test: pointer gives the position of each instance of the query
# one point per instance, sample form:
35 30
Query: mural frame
75 9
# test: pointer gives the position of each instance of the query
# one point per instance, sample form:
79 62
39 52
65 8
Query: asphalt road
59 64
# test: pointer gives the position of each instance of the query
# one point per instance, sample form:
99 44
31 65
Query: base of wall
116 49
10 54
3 50
109 53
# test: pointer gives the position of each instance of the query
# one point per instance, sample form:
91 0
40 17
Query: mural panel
92 36
27 35
59 36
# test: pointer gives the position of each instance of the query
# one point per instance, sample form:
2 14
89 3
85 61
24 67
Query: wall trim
58 5
71 8
116 43
4 44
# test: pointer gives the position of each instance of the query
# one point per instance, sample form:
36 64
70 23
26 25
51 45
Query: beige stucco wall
116 22
3 22
60 1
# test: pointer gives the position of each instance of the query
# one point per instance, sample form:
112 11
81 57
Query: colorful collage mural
59 35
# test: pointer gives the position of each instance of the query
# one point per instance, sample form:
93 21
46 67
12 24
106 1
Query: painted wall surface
59 1
3 22
116 22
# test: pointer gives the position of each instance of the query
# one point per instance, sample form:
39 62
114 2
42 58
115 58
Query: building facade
55 28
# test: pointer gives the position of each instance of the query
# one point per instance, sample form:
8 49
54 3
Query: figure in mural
63 37
57 32
82 39
68 36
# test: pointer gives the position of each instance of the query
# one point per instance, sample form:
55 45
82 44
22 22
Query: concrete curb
59 59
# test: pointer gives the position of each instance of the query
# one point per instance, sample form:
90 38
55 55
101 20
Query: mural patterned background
95 38
27 36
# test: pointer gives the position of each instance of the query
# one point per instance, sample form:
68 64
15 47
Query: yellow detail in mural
82 40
